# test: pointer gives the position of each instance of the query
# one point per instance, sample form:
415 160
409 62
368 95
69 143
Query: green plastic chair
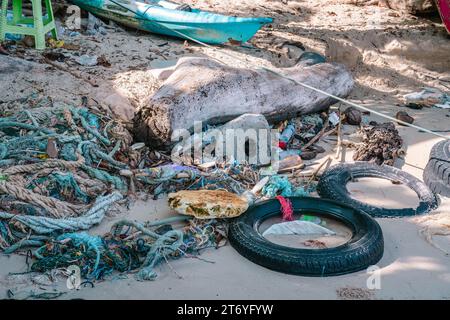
39 26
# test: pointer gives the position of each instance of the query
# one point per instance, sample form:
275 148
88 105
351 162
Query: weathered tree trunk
204 90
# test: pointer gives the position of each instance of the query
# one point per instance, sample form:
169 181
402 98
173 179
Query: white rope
353 104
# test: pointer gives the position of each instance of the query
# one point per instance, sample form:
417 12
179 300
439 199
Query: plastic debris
73 34
286 135
308 126
334 118
56 43
95 26
297 227
86 60
313 219
428 97
282 186
34 294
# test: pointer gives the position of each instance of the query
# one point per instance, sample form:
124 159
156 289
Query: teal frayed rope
46 225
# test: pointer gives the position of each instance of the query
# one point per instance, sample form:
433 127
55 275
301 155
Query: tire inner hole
383 193
311 241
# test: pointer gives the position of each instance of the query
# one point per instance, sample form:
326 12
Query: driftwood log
199 89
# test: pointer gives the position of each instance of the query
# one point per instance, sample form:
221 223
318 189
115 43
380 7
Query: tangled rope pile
62 168
55 164
139 248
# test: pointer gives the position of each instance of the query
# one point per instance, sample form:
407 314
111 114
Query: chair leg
49 9
17 11
39 36
3 20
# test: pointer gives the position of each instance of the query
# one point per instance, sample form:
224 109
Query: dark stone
308 155
405 117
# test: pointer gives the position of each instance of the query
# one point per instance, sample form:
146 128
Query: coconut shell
353 116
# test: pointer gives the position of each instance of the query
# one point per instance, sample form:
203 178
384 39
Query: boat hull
200 25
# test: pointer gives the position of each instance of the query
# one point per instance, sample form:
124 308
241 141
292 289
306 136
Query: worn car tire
364 249
437 172
332 185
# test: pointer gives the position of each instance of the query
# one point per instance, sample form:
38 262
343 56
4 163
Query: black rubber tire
332 185
437 172
364 249
441 151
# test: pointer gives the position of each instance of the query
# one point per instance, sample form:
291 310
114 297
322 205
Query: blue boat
168 18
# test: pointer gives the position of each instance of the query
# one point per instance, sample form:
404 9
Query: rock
308 59
250 124
54 56
114 101
290 163
317 149
405 117
3 51
428 97
207 204
308 155
254 122
28 41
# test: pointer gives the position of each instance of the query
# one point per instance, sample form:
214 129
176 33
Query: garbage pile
57 169
63 167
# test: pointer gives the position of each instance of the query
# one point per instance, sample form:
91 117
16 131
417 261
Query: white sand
388 53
